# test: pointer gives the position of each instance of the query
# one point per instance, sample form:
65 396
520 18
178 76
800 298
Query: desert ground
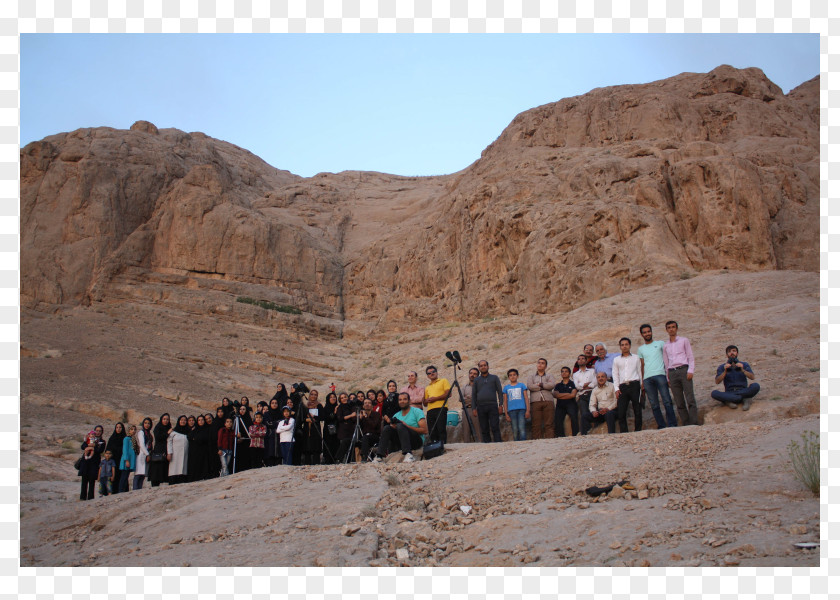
722 493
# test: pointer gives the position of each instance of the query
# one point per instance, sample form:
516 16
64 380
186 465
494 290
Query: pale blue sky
402 104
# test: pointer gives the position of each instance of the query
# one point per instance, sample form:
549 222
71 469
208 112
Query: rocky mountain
617 189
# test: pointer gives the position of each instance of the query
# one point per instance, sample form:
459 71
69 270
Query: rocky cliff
616 189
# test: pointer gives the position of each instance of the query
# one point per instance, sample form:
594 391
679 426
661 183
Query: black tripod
455 357
237 421
357 433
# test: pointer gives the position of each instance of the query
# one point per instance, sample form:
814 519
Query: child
286 429
106 474
91 441
517 406
225 441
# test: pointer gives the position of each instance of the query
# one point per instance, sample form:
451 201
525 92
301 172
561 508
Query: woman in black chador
198 453
271 419
158 465
115 445
330 419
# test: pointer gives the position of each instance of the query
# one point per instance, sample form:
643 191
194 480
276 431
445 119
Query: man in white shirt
585 382
627 378
602 404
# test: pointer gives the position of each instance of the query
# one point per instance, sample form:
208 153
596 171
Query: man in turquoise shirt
653 377
407 428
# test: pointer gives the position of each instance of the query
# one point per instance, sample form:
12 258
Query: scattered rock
349 530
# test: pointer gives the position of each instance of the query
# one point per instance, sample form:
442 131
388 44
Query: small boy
517 406
106 474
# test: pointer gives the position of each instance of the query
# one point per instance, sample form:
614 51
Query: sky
396 103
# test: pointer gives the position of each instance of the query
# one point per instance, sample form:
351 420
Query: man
627 378
734 374
370 423
472 374
406 428
585 382
654 381
487 401
679 365
414 391
434 398
540 386
589 353
603 364
566 394
602 404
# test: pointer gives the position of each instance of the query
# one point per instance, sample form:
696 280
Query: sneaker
378 459
732 405
409 457
746 404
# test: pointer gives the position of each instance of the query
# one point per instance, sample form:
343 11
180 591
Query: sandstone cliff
616 189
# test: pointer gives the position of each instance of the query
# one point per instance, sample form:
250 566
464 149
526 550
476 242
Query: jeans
286 452
225 460
629 395
137 484
104 486
517 423
682 388
406 438
583 401
488 422
656 387
123 484
609 418
736 396
566 407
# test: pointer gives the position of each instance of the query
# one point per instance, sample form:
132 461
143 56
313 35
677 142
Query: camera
300 388
733 362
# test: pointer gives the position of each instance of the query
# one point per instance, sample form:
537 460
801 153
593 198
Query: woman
213 449
89 467
191 422
247 404
346 426
392 403
198 451
371 395
145 440
272 444
243 444
227 409
330 429
257 433
310 432
129 457
281 395
158 465
177 451
115 445
286 429
380 402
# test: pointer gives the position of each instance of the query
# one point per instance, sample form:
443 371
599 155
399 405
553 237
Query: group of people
296 429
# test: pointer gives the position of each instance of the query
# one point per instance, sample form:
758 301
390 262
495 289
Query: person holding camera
346 414
370 422
734 374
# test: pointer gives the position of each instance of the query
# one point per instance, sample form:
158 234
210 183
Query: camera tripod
357 433
455 358
237 421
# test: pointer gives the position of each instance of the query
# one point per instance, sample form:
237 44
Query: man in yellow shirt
434 399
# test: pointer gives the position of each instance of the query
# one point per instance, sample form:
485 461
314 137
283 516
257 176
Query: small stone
718 543
583 505
349 530
466 509
643 494
676 557
615 545
797 530
402 553
643 563
731 561
616 492
745 549
628 496
175 541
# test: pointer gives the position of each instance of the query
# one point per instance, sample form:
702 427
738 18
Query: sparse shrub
687 275
481 347
774 352
392 480
283 308
805 459
814 369
496 346
370 511
383 363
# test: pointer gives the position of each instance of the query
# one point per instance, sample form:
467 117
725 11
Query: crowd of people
297 429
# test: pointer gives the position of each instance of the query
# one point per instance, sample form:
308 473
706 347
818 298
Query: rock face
620 188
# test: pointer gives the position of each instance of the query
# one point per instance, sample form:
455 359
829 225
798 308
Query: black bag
78 464
157 457
432 450
332 429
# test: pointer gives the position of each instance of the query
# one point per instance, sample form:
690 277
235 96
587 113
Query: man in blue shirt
734 374
604 362
406 429
653 378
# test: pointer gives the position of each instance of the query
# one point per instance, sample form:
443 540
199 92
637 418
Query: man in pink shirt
414 391
679 367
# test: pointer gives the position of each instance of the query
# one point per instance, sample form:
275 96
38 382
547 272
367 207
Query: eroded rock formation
619 188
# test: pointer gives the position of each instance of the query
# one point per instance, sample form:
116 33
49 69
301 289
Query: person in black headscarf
243 444
178 451
115 445
281 395
198 465
89 466
144 451
271 419
330 429
310 430
158 465
213 447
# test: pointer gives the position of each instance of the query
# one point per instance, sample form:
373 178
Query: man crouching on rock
404 429
734 374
